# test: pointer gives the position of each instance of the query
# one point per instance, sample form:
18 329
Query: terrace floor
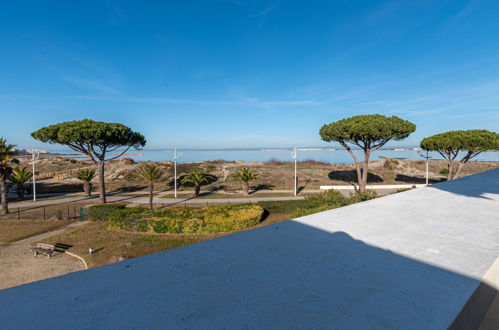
420 259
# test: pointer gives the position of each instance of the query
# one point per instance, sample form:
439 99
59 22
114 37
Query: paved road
143 200
163 198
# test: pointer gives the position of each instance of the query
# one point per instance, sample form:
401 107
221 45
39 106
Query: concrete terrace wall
414 260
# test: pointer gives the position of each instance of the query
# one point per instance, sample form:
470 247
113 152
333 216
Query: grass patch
51 198
283 206
14 230
111 244
102 211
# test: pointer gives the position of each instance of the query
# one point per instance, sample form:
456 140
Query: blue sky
199 74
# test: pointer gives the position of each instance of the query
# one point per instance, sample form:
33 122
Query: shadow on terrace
473 185
286 276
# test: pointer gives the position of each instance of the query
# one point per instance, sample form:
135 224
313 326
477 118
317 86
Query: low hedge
101 212
211 219
330 199
283 206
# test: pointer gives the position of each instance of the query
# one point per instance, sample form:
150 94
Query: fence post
82 214
74 212
68 213
18 213
44 213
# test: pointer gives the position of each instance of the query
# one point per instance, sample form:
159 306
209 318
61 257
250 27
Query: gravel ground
19 266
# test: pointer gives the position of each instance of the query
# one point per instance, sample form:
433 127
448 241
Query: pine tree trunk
3 201
365 172
450 167
359 176
151 189
458 170
102 184
246 188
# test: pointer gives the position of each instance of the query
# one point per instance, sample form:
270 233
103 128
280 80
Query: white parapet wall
421 259
384 186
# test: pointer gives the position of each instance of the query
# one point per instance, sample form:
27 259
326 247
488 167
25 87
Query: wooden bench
48 250
230 191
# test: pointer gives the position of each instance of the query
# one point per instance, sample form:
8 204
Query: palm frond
86 175
246 175
197 176
151 173
20 175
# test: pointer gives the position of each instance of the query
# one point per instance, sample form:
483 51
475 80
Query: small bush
390 164
131 219
358 196
444 171
101 212
301 212
211 219
275 161
327 198
131 177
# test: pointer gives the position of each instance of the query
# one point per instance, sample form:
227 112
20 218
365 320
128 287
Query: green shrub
301 212
131 219
358 196
327 198
283 206
211 219
445 171
101 212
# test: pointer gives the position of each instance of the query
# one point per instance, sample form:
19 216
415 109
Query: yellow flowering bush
210 219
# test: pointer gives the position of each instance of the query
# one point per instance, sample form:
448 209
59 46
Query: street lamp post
294 155
34 158
176 157
427 157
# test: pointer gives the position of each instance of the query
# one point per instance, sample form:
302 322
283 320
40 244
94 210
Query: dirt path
19 266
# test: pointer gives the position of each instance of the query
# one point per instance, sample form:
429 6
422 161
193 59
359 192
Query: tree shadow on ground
130 188
217 188
261 186
476 185
57 187
301 188
414 179
350 176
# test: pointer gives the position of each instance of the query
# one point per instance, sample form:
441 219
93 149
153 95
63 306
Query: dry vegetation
122 175
110 245
57 211
13 230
